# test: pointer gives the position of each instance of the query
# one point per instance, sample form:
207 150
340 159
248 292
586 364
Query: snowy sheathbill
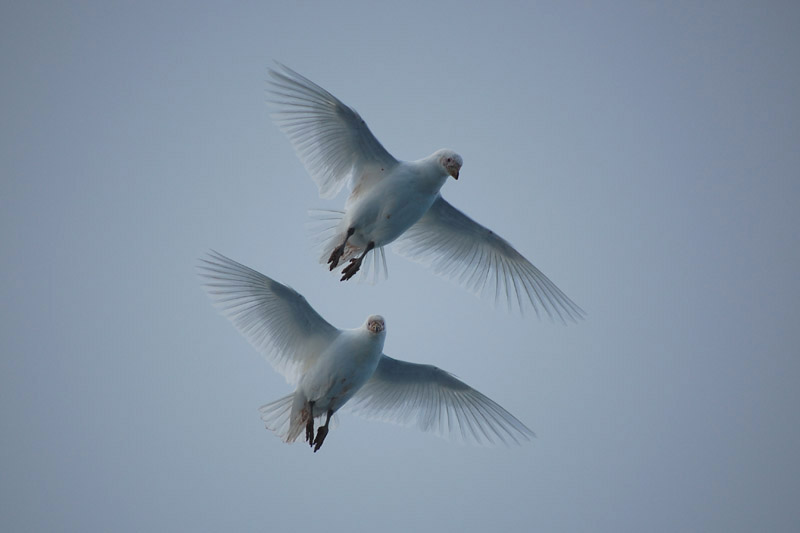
392 200
331 367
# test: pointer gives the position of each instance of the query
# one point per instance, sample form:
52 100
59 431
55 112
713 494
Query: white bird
392 199
330 367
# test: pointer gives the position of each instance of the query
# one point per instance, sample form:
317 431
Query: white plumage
392 200
330 367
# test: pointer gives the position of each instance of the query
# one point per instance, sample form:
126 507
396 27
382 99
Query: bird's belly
387 221
336 380
337 395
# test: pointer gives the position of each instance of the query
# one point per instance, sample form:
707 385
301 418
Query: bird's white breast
395 203
342 369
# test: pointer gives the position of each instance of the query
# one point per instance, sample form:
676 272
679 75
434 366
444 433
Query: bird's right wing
434 400
276 320
458 248
330 138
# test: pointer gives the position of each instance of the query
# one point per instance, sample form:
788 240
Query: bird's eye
448 159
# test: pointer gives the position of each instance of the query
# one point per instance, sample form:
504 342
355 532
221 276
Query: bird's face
376 324
451 162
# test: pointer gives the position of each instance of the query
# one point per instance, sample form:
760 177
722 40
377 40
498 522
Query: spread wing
434 400
276 320
458 248
331 139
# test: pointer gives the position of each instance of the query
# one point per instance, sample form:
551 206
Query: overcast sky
644 157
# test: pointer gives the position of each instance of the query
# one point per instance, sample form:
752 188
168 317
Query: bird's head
450 161
376 324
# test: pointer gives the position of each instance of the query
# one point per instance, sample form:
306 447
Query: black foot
355 263
336 254
310 425
322 432
350 270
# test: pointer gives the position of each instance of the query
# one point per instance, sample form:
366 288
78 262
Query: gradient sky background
645 157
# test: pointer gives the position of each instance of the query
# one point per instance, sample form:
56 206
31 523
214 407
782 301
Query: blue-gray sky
645 157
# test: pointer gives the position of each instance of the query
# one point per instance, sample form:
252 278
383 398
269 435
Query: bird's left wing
330 138
434 400
276 320
458 248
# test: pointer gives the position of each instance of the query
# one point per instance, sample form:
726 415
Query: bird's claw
310 431
336 254
350 270
322 432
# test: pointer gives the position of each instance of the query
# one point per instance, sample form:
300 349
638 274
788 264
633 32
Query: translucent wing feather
331 139
276 320
458 248
434 400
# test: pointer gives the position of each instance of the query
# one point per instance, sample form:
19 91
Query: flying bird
331 367
392 200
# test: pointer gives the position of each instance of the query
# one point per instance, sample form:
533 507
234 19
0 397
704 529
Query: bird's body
384 211
393 200
331 368
343 368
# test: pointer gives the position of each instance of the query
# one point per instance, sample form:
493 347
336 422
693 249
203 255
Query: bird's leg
322 432
355 263
310 424
337 252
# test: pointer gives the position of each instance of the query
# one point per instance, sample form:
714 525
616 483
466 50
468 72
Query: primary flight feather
330 367
392 200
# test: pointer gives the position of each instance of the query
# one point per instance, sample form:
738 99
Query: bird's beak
455 175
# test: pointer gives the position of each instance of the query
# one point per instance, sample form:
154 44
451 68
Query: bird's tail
288 416
285 418
326 232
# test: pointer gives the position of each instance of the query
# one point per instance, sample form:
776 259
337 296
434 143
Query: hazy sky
644 157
